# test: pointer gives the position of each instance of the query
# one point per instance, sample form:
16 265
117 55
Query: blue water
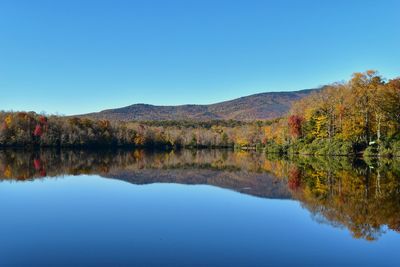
95 221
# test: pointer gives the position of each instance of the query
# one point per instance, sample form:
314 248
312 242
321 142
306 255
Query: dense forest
362 115
31 129
358 116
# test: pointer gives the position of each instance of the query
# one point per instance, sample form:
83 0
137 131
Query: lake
196 208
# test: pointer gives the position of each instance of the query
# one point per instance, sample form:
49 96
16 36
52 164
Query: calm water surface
204 208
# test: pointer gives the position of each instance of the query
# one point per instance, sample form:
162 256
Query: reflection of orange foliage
104 169
43 172
361 199
395 225
294 180
37 164
346 197
277 167
138 154
7 171
39 167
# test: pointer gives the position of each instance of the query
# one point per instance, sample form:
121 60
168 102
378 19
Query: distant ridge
261 106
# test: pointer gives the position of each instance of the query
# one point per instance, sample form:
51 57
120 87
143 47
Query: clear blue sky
81 56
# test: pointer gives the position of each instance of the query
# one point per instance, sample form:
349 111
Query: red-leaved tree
295 123
43 120
38 131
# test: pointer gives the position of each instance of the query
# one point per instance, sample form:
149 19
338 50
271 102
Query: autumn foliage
295 122
294 178
339 119
363 113
38 131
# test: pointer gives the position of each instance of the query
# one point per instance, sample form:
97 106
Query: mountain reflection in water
363 197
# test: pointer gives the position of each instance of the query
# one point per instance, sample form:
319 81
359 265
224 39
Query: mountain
254 107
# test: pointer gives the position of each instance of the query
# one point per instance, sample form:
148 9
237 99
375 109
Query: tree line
31 129
361 115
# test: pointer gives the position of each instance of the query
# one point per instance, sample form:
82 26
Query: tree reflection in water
361 196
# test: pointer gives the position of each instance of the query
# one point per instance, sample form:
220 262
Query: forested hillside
255 107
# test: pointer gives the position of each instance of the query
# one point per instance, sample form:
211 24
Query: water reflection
362 196
365 198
